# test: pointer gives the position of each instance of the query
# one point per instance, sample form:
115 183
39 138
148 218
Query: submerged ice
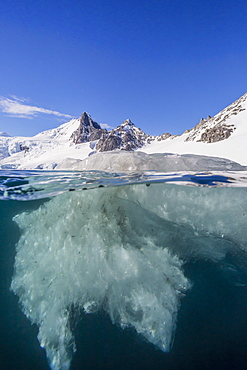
121 250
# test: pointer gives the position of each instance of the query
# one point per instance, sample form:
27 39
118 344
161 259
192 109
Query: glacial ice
140 161
122 250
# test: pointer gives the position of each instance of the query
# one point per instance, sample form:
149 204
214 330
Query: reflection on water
30 185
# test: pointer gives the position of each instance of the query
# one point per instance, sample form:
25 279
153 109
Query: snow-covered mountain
224 136
44 150
125 137
76 139
4 134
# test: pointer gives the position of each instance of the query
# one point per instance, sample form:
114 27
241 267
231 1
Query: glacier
121 250
121 161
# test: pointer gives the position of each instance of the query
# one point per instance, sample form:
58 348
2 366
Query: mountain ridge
213 129
223 135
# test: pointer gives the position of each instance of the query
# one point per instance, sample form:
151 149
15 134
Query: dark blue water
19 347
211 328
211 332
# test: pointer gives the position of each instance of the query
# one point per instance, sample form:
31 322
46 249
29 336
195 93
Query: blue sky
163 64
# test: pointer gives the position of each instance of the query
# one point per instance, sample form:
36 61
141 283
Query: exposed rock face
88 130
217 133
108 142
217 128
125 137
163 136
24 148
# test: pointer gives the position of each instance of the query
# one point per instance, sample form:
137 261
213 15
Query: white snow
233 148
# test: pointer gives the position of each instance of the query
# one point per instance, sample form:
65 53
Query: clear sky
162 63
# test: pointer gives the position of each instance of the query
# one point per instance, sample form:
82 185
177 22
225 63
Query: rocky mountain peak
127 122
128 125
88 130
86 121
125 137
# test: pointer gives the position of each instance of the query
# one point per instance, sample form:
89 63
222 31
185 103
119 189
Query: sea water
135 270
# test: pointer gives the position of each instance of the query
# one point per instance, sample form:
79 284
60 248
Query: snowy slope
44 150
232 118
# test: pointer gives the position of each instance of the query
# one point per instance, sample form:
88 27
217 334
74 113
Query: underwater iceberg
120 242
121 249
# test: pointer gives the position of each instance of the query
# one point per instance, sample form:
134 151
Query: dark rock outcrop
88 130
125 137
163 136
216 133
108 142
